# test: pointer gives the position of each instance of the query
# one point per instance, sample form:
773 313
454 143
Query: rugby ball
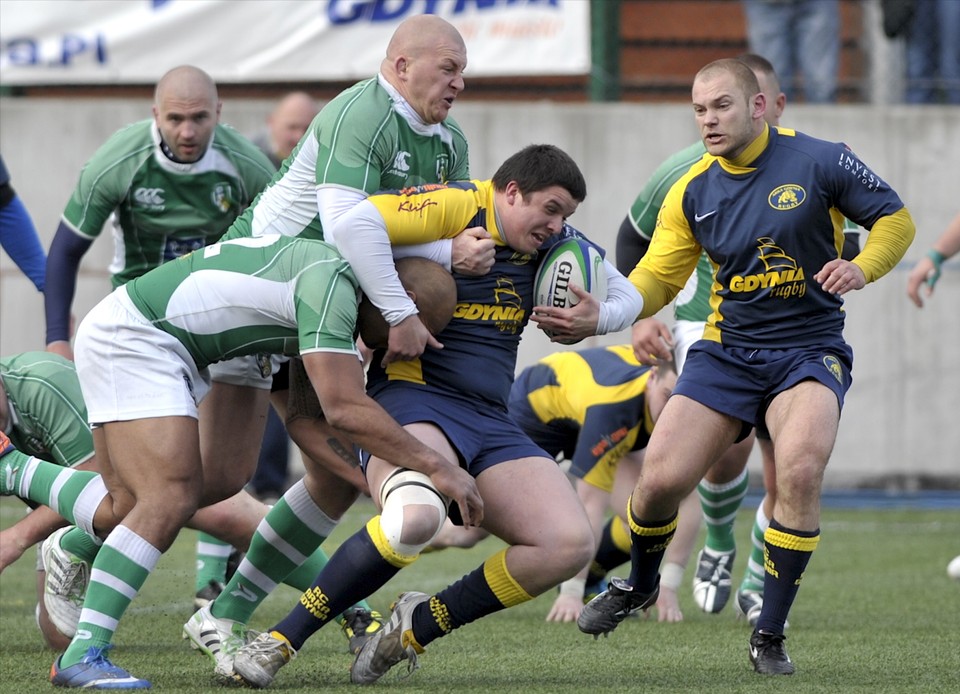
953 568
573 261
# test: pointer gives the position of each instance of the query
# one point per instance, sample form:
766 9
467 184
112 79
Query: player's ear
512 192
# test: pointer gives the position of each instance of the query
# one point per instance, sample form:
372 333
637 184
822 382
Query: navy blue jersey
589 405
767 228
480 344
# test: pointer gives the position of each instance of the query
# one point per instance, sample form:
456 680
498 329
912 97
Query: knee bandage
407 529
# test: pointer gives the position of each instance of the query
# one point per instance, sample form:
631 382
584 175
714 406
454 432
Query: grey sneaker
768 655
258 662
65 585
218 639
749 605
711 583
602 614
391 644
207 594
359 625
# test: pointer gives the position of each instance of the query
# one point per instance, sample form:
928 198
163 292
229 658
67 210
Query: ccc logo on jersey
149 197
787 197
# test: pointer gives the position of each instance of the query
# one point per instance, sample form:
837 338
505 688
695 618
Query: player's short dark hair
537 167
758 63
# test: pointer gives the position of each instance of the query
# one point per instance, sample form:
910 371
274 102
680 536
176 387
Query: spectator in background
927 270
18 235
800 37
286 124
933 52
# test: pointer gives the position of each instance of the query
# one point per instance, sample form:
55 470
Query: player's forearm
631 246
886 244
63 263
948 245
440 252
655 294
367 248
622 305
19 239
35 527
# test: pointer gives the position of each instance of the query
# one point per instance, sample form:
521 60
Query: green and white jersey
693 301
47 415
366 139
267 295
163 209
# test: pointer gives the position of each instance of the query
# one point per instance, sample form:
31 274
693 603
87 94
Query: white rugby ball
573 261
953 568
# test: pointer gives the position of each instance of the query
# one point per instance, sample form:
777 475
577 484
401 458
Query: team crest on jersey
443 167
222 197
833 366
787 197
505 312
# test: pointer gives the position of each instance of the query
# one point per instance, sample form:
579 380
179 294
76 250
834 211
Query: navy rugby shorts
741 382
481 434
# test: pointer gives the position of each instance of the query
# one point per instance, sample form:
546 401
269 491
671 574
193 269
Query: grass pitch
876 613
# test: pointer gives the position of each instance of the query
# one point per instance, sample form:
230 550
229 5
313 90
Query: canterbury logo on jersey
782 276
151 197
400 164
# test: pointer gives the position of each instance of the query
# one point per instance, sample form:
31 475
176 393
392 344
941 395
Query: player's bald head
186 83
186 109
432 289
421 34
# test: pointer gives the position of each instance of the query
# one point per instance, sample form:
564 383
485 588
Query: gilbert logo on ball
569 262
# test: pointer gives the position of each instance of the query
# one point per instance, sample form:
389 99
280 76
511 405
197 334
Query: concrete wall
901 415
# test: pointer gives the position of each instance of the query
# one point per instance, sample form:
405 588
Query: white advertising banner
136 41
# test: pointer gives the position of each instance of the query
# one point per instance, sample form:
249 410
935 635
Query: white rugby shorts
129 369
685 333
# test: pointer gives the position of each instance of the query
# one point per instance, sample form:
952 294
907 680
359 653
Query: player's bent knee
412 511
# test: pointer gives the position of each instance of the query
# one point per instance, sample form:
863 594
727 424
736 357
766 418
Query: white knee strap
409 488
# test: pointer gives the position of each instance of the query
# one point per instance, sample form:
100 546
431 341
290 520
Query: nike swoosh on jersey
701 217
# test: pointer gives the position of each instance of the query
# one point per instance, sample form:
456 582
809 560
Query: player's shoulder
239 148
132 141
359 101
451 124
798 141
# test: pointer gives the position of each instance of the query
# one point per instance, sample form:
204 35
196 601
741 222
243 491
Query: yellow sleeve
672 256
886 244
430 213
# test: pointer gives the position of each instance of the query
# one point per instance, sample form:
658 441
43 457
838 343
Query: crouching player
142 356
